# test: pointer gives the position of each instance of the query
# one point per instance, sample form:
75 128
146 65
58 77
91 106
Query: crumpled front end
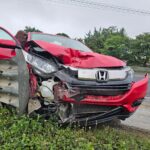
129 100
93 102
88 94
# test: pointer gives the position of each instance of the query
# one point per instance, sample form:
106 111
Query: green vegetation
28 133
115 42
31 29
63 34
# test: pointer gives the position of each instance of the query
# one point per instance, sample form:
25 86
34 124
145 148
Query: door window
5 36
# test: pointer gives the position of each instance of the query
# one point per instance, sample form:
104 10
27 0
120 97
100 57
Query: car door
14 75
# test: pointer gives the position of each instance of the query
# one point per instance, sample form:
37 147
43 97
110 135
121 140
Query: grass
36 133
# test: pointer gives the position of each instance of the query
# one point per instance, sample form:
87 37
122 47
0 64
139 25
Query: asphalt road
141 118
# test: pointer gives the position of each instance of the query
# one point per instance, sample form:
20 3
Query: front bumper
116 113
137 92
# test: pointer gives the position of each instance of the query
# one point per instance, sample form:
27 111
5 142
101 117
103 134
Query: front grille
82 109
119 87
101 89
93 87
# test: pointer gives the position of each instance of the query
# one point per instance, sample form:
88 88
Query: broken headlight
130 72
40 64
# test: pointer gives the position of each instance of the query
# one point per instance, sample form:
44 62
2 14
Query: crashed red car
58 75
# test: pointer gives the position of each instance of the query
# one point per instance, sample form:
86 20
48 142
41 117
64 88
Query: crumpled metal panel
79 59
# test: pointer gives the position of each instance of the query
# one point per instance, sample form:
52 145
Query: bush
28 133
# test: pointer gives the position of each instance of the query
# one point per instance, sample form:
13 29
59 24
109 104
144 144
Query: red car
58 75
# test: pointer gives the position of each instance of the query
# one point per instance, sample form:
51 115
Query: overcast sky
76 21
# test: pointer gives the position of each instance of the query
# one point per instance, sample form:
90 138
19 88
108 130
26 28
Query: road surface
141 118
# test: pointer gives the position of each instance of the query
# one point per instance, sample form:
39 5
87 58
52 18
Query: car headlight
130 72
39 63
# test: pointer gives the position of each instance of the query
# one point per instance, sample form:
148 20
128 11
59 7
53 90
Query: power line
99 5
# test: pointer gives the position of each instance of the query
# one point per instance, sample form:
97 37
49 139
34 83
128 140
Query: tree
80 40
111 41
31 29
63 34
115 42
94 40
141 49
117 46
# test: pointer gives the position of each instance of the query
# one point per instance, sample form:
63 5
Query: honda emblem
102 75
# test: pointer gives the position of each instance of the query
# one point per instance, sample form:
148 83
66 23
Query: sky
76 21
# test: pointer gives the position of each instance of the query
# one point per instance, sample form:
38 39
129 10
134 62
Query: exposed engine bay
60 82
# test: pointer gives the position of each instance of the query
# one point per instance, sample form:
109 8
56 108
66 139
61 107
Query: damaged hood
79 59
